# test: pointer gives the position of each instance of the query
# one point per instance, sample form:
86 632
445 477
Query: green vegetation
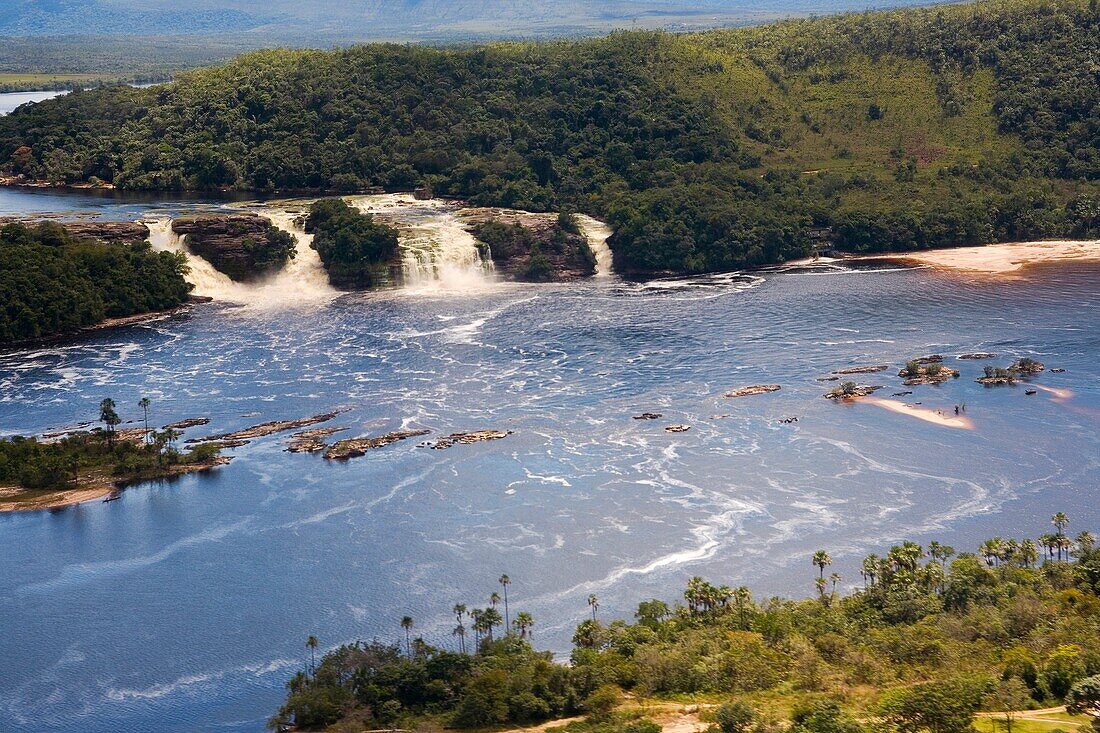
93 456
538 253
354 249
930 639
51 283
909 129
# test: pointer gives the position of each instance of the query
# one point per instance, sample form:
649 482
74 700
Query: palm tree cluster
483 621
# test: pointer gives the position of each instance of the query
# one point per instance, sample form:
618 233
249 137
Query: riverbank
999 259
92 487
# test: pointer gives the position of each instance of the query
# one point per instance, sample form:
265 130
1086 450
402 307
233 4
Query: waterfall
303 281
437 252
597 234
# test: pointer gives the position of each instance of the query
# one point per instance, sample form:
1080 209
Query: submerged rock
466 438
1057 370
978 355
648 416
342 450
243 246
753 390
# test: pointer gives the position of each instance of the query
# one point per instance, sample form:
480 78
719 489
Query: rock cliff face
532 247
243 246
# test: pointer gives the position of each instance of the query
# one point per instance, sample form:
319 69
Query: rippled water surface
185 606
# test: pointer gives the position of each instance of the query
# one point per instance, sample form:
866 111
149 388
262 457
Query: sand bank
1000 259
921 413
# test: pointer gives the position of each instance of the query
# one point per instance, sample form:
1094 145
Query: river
185 606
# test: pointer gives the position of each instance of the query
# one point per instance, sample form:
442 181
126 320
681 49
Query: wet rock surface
648 416
978 355
311 441
354 447
754 389
267 428
863 369
191 422
468 438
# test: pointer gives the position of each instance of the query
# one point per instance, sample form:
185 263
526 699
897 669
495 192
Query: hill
709 151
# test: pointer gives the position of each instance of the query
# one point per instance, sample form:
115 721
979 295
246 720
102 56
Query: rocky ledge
469 437
353 448
243 246
863 369
752 390
267 428
532 247
311 441
851 390
114 232
978 355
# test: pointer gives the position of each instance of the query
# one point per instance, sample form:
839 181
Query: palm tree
492 619
940 553
821 559
505 581
820 584
407 624
478 625
460 632
144 404
109 417
523 623
834 578
742 596
1029 553
869 569
594 604
1085 542
1060 520
311 642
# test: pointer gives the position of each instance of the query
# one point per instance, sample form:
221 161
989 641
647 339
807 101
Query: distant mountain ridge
391 19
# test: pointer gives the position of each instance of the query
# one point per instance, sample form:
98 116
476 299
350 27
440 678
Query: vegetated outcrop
851 390
929 372
993 376
356 251
1026 366
533 247
243 246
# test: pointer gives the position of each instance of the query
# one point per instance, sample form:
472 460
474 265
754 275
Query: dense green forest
895 130
930 638
355 250
51 283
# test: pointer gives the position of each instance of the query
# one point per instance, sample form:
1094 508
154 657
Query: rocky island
532 247
242 246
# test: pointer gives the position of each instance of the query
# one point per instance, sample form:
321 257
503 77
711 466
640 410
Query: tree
460 632
821 560
1063 668
1084 699
460 613
869 569
594 604
144 404
109 418
407 624
940 707
491 618
1060 522
311 643
505 581
1008 697
742 596
523 624
734 717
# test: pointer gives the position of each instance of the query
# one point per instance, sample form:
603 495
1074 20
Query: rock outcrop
243 246
532 247
752 390
862 369
353 448
928 373
469 437
114 232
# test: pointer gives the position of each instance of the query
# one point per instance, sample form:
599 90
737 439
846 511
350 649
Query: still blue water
185 606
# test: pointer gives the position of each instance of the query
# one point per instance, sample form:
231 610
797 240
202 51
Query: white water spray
303 281
597 233
437 252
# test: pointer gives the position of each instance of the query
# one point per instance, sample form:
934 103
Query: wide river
185 606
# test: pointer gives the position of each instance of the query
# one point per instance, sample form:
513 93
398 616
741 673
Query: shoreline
106 324
96 487
1007 258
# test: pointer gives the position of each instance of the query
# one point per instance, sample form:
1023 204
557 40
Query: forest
926 639
355 250
718 150
52 283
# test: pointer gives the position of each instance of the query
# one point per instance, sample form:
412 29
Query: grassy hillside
710 151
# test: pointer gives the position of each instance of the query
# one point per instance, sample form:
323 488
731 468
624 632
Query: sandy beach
1002 259
921 413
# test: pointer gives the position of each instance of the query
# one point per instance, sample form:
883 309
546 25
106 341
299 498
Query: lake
185 606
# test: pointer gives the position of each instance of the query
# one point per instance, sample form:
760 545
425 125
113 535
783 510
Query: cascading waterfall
303 281
597 233
437 252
